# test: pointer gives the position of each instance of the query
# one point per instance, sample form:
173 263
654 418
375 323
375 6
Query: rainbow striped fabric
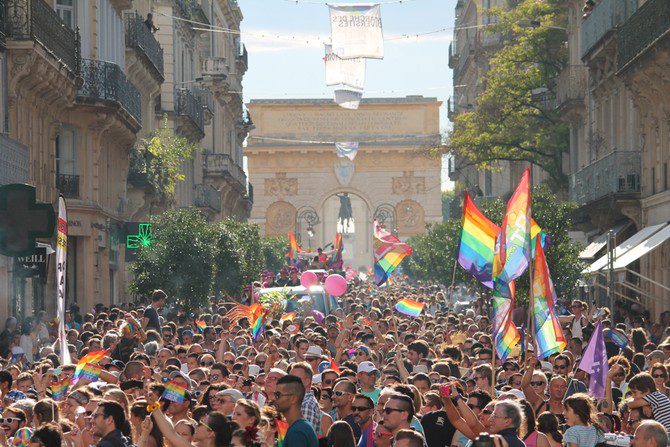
548 332
282 428
505 333
477 244
338 248
389 253
515 244
92 358
257 321
59 389
174 393
409 307
293 247
200 324
89 372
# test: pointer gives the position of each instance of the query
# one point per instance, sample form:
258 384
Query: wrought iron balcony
68 185
140 39
465 54
189 106
642 30
207 197
571 85
36 20
217 165
106 82
206 98
215 67
243 58
453 55
617 173
604 18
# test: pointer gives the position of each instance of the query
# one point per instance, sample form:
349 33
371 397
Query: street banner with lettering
348 99
61 260
356 30
349 72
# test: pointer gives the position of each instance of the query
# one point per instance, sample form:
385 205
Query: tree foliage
274 250
435 253
191 259
515 119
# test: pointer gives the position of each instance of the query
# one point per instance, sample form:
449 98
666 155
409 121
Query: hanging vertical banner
356 30
61 265
347 149
349 72
348 99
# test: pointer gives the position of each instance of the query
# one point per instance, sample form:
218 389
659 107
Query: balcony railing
36 20
68 185
207 197
205 97
616 173
642 30
451 108
571 84
139 38
466 53
604 18
243 57
218 164
453 55
106 81
215 67
189 106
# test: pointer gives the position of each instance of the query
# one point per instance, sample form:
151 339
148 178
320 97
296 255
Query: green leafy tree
274 251
160 157
239 256
435 253
515 119
179 259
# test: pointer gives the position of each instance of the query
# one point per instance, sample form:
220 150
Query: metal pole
610 269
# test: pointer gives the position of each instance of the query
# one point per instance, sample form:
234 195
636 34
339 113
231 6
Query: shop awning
600 242
625 246
643 248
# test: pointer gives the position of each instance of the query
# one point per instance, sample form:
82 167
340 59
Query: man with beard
13 419
362 408
288 400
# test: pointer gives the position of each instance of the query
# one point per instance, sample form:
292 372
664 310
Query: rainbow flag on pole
515 244
389 253
477 243
59 389
282 428
92 358
174 393
548 332
257 321
293 247
409 307
200 324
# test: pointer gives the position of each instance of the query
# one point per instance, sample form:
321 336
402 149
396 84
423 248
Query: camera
483 440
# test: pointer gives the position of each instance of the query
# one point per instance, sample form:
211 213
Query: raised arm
455 418
167 429
533 398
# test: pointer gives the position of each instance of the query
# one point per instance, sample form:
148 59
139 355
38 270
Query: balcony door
66 151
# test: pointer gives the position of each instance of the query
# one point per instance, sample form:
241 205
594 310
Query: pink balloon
308 279
335 285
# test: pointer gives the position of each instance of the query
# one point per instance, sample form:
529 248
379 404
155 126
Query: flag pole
531 300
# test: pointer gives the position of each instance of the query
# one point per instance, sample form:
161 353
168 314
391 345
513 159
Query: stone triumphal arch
301 185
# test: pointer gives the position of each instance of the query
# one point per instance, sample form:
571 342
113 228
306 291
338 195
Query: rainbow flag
334 366
338 248
92 358
477 243
282 428
59 389
289 316
389 253
548 332
505 333
293 247
515 243
200 324
174 393
88 372
409 307
257 320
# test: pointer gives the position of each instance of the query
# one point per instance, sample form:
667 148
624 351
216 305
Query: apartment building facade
87 81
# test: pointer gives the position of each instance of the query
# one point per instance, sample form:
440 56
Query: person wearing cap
180 410
227 400
367 375
313 356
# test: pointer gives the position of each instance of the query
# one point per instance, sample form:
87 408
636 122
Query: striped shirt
660 407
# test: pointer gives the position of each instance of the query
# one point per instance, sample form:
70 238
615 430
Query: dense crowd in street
363 375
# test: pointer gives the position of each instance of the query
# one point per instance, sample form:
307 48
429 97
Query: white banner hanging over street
348 99
356 30
61 275
349 72
347 149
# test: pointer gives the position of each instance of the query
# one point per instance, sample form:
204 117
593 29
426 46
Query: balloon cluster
334 285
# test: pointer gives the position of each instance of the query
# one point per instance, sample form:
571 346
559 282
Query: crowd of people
364 375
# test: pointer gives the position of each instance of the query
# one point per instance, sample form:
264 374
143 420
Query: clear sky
287 62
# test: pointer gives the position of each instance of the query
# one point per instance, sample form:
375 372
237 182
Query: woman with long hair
246 413
341 435
659 372
213 430
547 423
639 339
138 412
580 415
533 437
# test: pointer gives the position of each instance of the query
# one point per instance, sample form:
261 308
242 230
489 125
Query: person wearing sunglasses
398 413
287 400
107 421
343 397
659 373
12 419
362 409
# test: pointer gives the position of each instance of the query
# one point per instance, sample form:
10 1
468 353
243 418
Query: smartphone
445 390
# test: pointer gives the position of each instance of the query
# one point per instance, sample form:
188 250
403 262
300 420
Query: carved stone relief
408 184
410 217
281 186
279 219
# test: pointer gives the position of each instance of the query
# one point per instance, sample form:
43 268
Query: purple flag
594 362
